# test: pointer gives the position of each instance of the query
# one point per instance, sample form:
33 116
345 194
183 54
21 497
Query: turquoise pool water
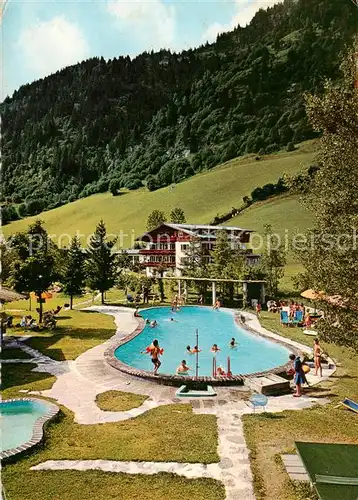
17 419
253 354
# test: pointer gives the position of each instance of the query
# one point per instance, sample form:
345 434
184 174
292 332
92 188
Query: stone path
78 383
295 468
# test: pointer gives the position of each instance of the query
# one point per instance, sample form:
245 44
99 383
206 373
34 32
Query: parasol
7 295
44 295
312 294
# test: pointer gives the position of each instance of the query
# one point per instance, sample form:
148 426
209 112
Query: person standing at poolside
258 310
317 357
299 377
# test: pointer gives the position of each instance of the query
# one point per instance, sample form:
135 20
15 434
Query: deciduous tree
330 260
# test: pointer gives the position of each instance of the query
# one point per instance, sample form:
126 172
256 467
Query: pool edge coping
177 380
38 427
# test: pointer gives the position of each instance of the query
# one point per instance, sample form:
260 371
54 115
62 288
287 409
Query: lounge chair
284 318
298 318
350 404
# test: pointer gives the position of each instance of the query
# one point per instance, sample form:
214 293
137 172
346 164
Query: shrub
290 147
114 186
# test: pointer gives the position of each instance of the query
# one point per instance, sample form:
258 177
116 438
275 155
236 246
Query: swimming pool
21 423
254 353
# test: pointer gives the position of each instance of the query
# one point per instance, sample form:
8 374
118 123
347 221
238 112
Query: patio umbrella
44 295
7 295
312 294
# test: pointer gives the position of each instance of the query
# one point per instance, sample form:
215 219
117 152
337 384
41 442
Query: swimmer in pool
195 349
233 343
215 348
188 349
183 368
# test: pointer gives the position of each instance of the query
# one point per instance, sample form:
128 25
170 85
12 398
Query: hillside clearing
202 197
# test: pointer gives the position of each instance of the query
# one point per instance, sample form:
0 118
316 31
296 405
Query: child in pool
195 349
154 351
215 348
183 368
233 343
220 371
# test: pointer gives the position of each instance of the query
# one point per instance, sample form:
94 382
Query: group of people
299 369
28 322
179 301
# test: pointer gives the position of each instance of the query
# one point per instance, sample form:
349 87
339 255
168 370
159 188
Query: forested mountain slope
162 117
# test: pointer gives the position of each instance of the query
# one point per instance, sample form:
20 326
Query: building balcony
156 251
158 264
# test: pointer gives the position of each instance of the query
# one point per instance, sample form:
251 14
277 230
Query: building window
185 246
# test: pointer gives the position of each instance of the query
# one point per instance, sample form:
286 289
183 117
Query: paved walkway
252 322
78 383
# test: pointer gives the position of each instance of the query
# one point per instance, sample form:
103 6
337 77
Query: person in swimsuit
188 349
155 351
258 310
195 349
233 343
215 348
317 357
183 368
300 377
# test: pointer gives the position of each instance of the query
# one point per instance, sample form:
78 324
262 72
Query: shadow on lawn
18 375
43 343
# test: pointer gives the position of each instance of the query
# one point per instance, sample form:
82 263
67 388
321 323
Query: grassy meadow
202 197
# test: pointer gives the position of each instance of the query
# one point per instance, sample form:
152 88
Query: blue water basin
253 354
17 420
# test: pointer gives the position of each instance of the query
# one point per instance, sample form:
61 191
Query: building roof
194 229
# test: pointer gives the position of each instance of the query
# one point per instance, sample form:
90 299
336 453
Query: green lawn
119 401
76 332
270 435
13 353
202 197
19 376
89 485
58 299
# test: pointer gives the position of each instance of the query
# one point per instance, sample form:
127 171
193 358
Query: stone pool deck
78 383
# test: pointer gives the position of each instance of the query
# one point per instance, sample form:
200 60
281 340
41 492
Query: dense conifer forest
161 117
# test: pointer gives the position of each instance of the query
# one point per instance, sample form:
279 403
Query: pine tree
331 261
74 274
101 262
221 254
155 219
177 216
273 260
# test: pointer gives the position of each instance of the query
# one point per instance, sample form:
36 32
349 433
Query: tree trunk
102 298
41 309
71 301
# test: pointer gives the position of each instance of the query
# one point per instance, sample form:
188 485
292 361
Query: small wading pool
21 422
253 354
